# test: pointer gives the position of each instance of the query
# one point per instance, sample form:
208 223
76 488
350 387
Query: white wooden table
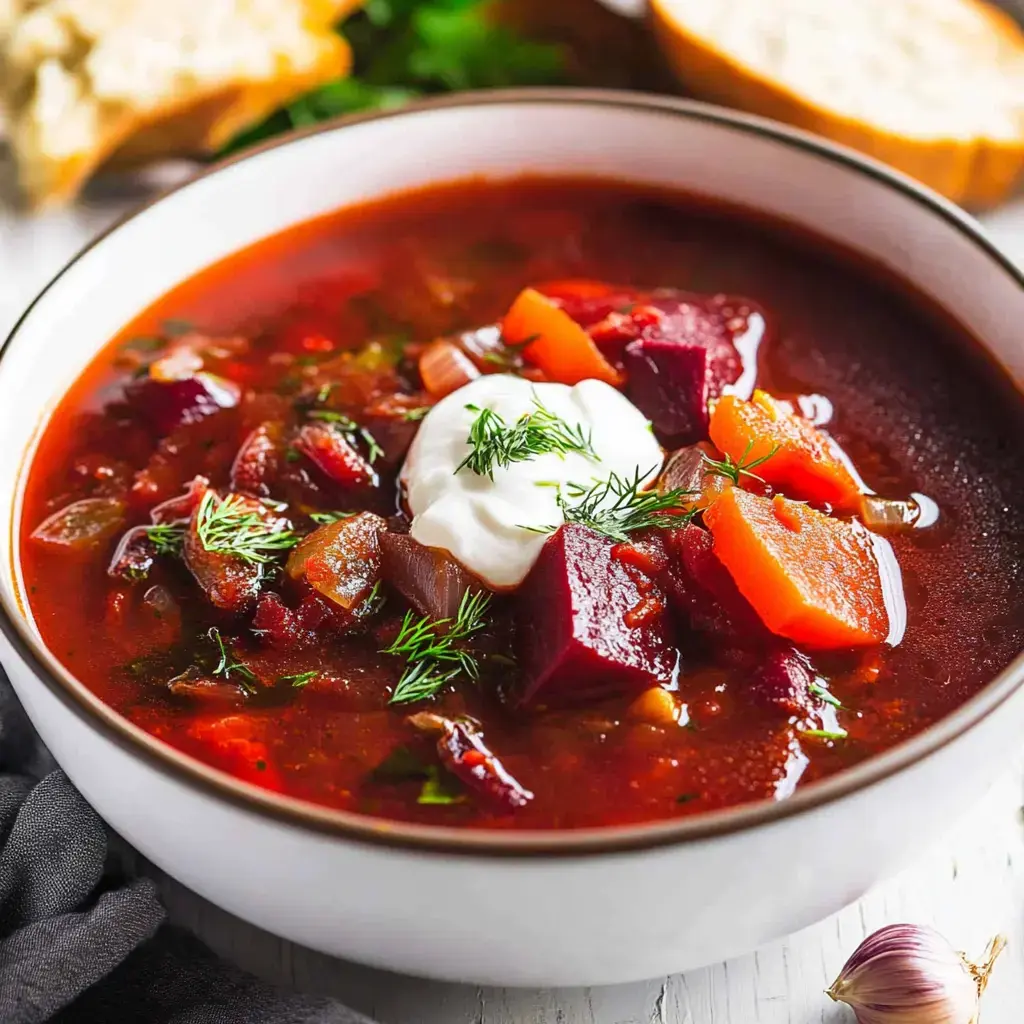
970 886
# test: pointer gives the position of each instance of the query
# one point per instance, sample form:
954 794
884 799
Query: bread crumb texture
933 87
87 82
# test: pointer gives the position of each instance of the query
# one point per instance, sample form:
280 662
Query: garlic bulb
906 974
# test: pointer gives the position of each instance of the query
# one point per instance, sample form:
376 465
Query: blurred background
104 89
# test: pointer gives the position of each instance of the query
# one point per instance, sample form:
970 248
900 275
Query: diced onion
428 578
445 368
888 515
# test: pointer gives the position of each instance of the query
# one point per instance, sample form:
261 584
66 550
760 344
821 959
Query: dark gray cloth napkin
81 944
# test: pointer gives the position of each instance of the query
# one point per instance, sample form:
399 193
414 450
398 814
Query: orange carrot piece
809 577
556 343
807 464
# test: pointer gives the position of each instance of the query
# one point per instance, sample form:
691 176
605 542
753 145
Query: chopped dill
430 648
351 431
734 470
229 526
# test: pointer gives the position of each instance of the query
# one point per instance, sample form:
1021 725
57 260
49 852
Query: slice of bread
932 87
86 82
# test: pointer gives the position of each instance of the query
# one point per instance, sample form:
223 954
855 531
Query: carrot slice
807 463
809 577
554 341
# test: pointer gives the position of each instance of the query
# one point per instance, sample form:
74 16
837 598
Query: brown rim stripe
553 843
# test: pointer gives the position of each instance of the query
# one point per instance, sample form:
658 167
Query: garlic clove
909 974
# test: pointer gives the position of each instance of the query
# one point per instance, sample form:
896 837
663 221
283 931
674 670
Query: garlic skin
909 974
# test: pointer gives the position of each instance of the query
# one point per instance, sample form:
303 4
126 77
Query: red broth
339 300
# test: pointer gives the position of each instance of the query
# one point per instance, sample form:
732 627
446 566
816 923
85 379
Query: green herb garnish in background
619 506
496 444
300 679
734 470
432 652
323 518
404 49
229 526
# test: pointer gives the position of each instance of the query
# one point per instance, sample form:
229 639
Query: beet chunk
703 593
685 359
334 456
572 614
167 405
255 465
782 683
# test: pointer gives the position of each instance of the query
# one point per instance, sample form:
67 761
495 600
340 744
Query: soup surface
228 539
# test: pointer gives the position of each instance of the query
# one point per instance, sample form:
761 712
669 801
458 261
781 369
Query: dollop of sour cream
485 523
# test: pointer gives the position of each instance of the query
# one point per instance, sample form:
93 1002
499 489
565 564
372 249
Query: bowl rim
553 843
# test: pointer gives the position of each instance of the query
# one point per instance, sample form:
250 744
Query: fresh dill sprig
300 679
229 526
825 734
329 517
230 668
496 445
351 430
167 538
619 506
826 695
374 600
430 648
734 470
415 415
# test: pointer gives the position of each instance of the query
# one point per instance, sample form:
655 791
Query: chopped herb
439 789
826 695
330 517
167 538
402 49
351 430
374 601
685 798
324 393
229 526
399 766
300 679
619 506
261 765
230 668
510 355
431 652
292 455
496 445
734 470
415 415
176 328
825 734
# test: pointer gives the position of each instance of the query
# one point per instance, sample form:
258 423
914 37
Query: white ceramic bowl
543 909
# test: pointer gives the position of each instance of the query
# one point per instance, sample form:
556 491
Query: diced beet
573 615
782 683
134 555
685 359
463 753
702 591
332 454
277 624
341 560
167 405
255 465
428 578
